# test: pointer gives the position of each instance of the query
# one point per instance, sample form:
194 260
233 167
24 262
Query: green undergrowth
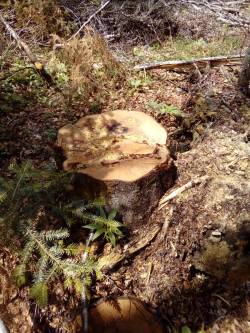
37 221
163 109
186 49
84 71
20 86
186 329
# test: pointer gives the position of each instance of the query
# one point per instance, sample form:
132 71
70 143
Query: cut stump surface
121 156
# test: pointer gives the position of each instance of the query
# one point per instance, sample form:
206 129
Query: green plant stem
9 75
19 181
85 319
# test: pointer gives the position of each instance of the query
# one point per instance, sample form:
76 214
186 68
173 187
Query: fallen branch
39 67
110 261
200 62
181 189
226 12
167 222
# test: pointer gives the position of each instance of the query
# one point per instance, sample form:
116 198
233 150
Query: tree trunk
244 79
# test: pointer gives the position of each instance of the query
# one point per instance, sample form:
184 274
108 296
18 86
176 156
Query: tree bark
134 201
244 79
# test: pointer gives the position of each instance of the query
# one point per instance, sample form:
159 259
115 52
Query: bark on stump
121 156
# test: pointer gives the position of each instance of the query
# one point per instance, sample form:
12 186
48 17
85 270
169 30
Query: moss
215 258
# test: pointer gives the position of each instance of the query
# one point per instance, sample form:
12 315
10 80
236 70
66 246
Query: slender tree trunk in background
244 79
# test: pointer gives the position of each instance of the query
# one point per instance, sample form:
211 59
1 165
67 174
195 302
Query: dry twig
181 189
110 261
89 19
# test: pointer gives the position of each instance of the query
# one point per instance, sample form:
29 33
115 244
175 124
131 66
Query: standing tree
244 79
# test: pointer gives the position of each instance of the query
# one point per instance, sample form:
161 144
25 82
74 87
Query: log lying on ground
200 62
121 156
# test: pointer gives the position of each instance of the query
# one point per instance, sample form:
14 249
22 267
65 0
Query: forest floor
210 109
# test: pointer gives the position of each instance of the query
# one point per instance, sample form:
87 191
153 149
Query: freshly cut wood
123 314
200 62
121 156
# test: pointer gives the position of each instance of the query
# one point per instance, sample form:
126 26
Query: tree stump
121 156
123 314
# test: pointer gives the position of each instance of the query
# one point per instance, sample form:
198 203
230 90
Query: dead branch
39 67
89 19
110 261
200 62
223 11
148 20
167 222
181 189
152 20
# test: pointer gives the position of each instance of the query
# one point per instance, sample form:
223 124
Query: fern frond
42 267
27 251
19 275
39 291
51 274
78 285
73 249
52 235
57 251
3 196
31 191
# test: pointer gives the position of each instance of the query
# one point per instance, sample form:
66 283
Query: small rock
216 233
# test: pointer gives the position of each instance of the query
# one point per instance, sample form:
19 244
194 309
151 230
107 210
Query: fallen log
200 62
